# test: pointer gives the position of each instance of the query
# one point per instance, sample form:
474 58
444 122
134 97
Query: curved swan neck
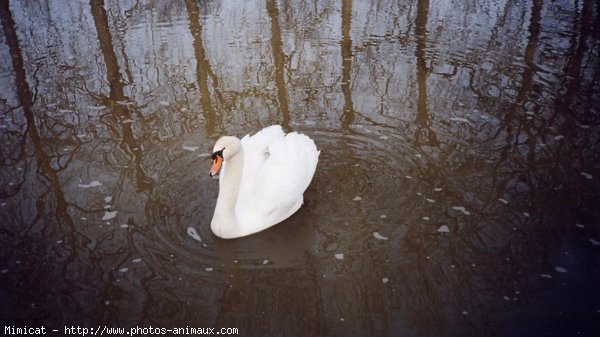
229 186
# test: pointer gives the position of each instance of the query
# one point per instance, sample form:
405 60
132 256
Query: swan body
262 180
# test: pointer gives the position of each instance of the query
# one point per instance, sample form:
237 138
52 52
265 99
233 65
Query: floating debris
430 200
137 260
265 261
94 183
209 269
124 225
595 242
127 121
578 225
548 276
385 280
109 215
526 214
378 236
123 270
586 175
426 218
190 148
339 256
461 209
504 201
559 137
438 189
4 271
357 198
383 216
191 231
108 199
443 229
560 269
164 103
408 177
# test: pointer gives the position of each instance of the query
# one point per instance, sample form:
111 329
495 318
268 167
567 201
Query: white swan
262 179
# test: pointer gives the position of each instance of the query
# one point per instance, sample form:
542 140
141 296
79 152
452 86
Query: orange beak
216 165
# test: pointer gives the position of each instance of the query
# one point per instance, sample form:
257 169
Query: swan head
225 148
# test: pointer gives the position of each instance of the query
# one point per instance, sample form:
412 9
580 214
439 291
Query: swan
262 179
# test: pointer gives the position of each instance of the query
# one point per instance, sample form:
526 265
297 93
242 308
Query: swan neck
229 186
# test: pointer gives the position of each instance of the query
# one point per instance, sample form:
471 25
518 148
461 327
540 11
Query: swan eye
217 154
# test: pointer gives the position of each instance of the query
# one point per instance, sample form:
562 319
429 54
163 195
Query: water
456 194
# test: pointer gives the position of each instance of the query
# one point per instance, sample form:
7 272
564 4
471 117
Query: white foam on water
94 183
191 231
461 209
443 229
459 119
378 236
109 215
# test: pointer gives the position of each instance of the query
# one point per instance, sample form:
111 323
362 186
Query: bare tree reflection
347 117
203 70
58 223
117 97
424 134
279 60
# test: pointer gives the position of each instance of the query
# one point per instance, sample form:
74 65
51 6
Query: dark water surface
457 193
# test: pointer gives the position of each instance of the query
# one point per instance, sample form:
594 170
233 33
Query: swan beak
216 165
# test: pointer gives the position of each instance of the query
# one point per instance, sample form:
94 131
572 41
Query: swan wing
277 170
256 153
